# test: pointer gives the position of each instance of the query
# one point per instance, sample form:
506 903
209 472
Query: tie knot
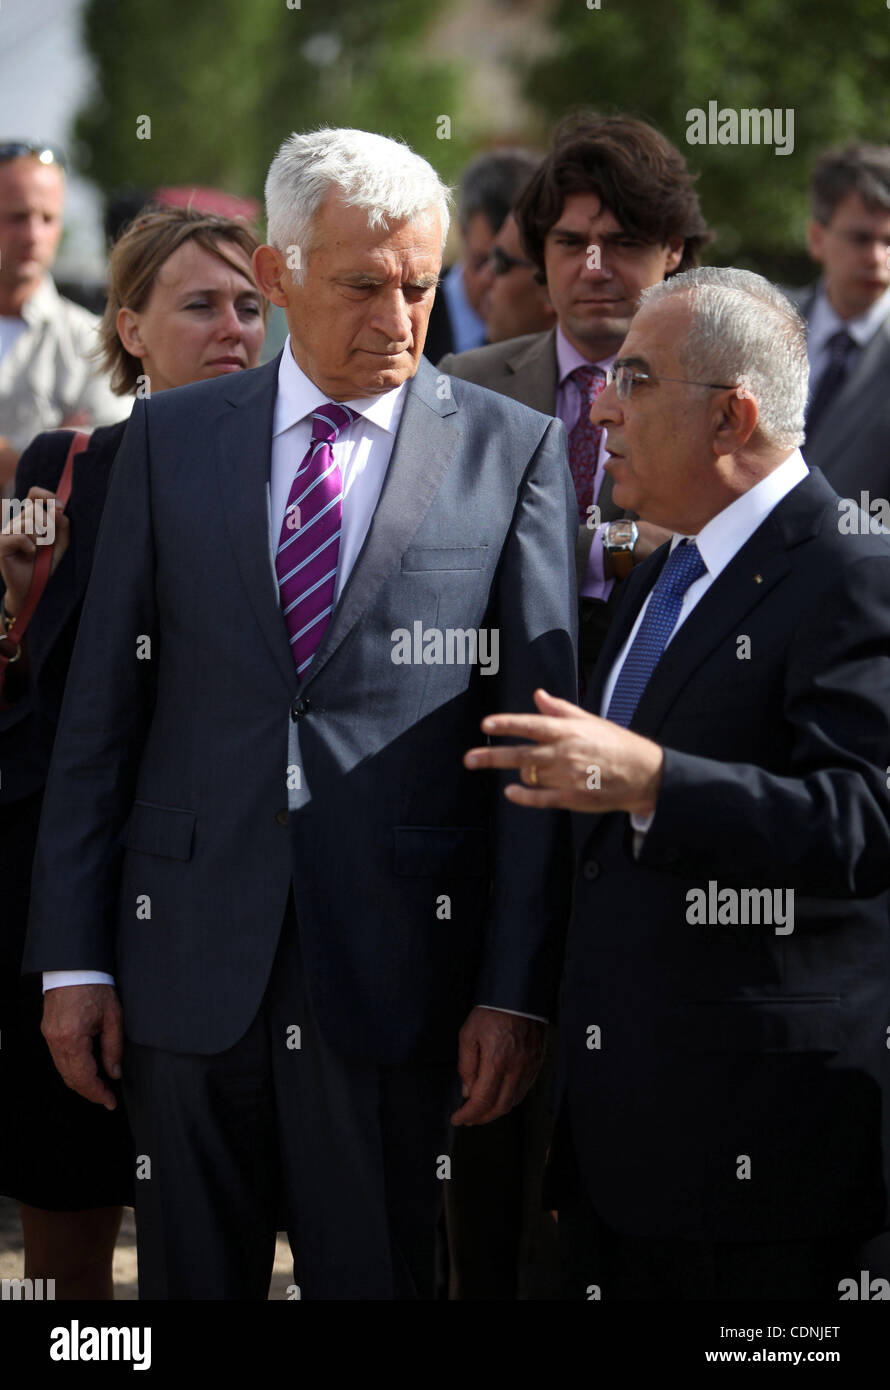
328 420
683 566
839 344
590 380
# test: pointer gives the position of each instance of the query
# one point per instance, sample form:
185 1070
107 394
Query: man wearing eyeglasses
611 210
723 1078
848 321
47 378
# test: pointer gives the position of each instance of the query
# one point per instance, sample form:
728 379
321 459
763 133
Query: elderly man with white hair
266 887
723 1072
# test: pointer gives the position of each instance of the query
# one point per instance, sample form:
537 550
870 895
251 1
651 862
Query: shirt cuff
596 585
58 979
517 1013
640 826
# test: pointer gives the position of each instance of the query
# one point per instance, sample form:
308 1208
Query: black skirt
57 1150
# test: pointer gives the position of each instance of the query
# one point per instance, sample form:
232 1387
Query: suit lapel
535 374
746 581
422 452
241 440
865 387
534 380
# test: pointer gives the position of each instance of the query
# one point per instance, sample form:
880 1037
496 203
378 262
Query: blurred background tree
659 58
223 81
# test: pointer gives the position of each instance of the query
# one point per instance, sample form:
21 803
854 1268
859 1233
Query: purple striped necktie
309 545
584 440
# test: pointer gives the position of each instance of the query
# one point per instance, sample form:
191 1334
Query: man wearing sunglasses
516 301
47 378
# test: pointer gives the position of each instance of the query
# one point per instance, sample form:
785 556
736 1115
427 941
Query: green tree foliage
224 81
658 59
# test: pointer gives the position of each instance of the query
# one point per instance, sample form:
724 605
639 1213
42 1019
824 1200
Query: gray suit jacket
526 370
851 442
419 889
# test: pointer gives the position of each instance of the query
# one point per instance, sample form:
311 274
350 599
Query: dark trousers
501 1241
344 1154
600 1263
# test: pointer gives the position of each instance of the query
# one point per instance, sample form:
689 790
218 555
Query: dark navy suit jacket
719 1043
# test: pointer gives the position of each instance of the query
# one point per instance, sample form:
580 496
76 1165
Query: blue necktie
683 566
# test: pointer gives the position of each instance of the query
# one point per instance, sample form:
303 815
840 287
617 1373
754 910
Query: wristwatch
619 539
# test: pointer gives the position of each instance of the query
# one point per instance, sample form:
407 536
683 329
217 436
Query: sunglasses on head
25 149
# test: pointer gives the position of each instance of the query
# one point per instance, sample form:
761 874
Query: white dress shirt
363 451
718 542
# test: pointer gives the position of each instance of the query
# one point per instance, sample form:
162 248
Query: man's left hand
575 761
499 1055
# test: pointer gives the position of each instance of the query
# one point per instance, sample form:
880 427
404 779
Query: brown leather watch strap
622 563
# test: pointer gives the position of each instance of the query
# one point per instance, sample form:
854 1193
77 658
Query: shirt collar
720 540
42 305
298 397
568 358
825 321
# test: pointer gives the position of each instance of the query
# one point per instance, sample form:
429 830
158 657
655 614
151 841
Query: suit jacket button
282 816
591 869
299 707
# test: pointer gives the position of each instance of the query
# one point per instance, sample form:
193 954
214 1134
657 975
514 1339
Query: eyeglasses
501 262
25 149
625 378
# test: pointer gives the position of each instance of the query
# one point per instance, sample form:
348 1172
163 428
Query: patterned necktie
309 545
683 566
839 346
584 440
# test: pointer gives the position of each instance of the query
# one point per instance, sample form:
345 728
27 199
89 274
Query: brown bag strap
11 642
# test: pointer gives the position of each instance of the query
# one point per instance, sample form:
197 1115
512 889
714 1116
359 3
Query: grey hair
744 332
492 182
369 171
